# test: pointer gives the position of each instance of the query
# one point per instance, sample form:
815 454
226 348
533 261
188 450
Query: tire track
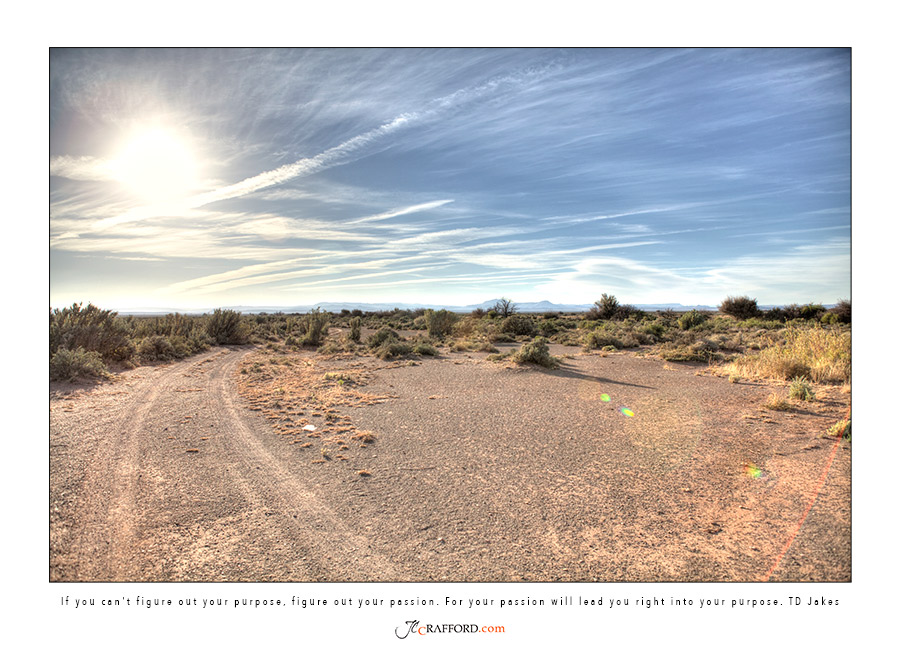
103 541
339 553
180 482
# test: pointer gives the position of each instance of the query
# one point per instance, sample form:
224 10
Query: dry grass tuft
777 403
820 355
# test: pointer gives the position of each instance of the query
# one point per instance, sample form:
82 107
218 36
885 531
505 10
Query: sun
156 165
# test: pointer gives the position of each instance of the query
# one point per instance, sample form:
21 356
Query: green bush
801 389
812 311
840 313
69 365
548 327
425 349
691 319
91 329
226 327
699 351
392 348
381 336
604 308
315 327
739 307
355 328
537 352
517 325
655 329
439 323
156 348
600 338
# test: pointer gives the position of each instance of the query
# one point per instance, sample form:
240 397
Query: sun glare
157 166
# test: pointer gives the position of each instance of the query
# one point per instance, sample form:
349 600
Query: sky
196 178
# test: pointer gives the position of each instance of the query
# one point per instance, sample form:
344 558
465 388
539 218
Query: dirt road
163 476
480 472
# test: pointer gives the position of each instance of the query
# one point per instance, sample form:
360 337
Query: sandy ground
479 471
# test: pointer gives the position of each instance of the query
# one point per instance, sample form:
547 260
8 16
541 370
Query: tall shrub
226 327
92 329
440 322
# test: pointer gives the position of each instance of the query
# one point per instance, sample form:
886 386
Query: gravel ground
480 471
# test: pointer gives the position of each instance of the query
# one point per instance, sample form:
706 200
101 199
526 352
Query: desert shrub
567 338
392 348
699 351
226 327
739 307
381 336
355 328
547 327
69 365
600 338
667 317
656 329
91 329
630 339
628 311
692 319
156 348
790 312
465 327
537 352
335 346
840 313
812 311
424 349
604 308
386 344
759 323
440 322
801 389
517 325
315 327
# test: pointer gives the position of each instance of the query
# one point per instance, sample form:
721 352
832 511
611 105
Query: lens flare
604 397
627 412
752 471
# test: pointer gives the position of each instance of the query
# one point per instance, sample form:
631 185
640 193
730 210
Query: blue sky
198 178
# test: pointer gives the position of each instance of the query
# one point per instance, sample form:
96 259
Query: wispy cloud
82 168
656 174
